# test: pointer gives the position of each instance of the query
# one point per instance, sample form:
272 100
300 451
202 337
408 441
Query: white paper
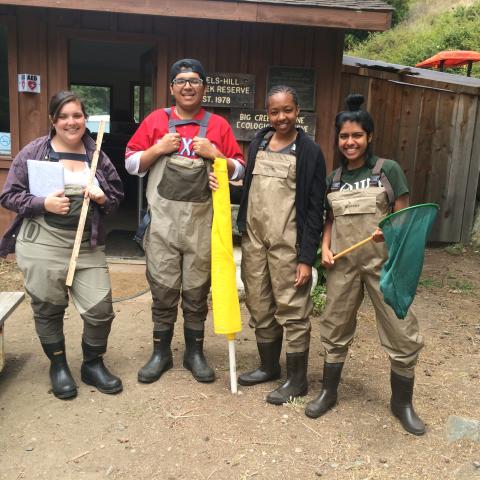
44 177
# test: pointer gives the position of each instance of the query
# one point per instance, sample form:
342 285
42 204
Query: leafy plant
354 37
296 403
455 249
461 286
319 298
430 283
319 293
423 35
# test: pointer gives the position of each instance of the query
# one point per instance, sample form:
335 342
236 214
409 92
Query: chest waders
356 216
269 264
43 251
177 251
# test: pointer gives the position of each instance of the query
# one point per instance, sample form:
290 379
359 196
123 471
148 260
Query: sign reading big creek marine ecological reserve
301 79
246 123
229 90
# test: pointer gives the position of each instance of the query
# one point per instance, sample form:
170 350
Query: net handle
381 223
353 247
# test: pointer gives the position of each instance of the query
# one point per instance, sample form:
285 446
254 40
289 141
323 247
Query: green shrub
354 37
319 298
319 294
419 38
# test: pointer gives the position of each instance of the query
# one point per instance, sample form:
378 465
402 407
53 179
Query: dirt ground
177 428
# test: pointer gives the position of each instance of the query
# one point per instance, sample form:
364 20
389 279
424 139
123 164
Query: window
97 102
5 139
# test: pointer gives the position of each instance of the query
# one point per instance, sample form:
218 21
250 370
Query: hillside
430 26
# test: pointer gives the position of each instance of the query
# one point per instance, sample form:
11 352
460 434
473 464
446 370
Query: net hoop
403 210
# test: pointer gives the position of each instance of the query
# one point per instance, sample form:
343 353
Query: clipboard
44 178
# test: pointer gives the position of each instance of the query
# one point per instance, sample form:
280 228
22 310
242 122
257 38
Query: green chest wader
269 254
356 215
177 240
43 250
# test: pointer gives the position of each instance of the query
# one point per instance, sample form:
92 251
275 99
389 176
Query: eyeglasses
181 82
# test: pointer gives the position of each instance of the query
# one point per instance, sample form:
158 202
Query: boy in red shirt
176 145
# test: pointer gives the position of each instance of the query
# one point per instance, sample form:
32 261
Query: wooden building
429 122
127 46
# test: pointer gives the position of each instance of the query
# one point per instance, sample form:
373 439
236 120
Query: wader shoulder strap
266 140
337 180
378 177
56 156
174 123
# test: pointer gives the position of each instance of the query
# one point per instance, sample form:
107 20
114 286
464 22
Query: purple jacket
16 197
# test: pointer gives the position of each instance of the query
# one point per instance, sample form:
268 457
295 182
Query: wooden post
469 68
86 203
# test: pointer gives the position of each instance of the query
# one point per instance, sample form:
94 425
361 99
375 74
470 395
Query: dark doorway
115 80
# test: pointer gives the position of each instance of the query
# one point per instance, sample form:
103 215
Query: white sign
5 144
44 178
28 82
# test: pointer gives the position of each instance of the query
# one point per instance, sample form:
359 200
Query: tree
95 98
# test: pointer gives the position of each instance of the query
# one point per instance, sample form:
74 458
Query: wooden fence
429 122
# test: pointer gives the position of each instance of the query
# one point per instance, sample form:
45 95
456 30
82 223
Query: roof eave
362 19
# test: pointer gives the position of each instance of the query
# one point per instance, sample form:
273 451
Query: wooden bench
9 301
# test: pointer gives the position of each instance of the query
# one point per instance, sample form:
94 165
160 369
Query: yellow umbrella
226 307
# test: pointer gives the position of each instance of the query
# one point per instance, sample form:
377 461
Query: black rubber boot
95 373
269 365
193 359
401 404
296 384
328 396
63 384
161 359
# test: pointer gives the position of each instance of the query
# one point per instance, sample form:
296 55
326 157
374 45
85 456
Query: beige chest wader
269 255
177 241
43 250
356 215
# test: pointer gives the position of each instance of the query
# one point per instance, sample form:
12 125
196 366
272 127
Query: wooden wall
221 46
430 127
41 37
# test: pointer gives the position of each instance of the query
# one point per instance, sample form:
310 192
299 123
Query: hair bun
354 101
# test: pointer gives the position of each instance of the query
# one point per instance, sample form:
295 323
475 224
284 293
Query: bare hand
204 148
213 181
327 258
303 274
57 203
377 236
169 143
95 193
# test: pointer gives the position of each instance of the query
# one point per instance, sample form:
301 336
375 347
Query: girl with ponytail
360 193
